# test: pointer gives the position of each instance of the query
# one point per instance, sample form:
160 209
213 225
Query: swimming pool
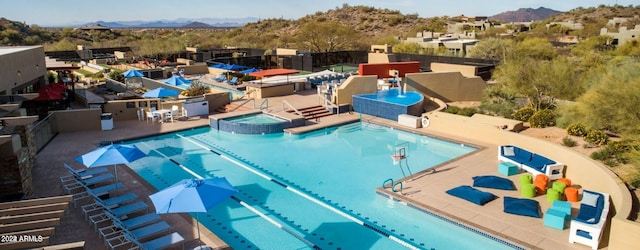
315 190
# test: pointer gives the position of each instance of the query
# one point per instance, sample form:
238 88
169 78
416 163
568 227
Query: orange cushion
571 193
566 181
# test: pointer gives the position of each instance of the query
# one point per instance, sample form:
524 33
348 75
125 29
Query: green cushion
526 179
528 190
560 186
553 195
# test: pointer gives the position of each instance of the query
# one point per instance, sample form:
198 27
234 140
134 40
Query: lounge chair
587 227
118 212
100 204
220 78
158 243
530 162
128 224
96 192
233 81
80 174
79 184
138 234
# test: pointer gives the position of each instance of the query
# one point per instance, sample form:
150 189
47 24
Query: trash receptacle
106 120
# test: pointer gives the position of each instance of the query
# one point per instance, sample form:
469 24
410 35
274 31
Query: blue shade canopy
192 195
132 73
111 155
176 80
251 70
160 92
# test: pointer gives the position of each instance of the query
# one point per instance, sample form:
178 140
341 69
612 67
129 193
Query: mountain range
525 15
520 15
177 23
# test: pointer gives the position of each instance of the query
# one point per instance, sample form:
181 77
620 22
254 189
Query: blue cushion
490 181
525 207
472 195
590 214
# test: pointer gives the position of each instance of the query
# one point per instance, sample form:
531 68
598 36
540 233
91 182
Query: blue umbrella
176 80
132 73
111 155
192 195
160 92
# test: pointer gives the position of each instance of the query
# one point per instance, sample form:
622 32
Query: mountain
197 25
181 22
525 15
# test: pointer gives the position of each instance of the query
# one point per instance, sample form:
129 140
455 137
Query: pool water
315 190
256 119
395 96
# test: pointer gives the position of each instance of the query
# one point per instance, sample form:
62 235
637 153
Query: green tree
629 48
408 47
613 102
492 48
534 48
326 36
595 44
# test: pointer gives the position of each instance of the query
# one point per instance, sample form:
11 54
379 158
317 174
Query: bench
587 227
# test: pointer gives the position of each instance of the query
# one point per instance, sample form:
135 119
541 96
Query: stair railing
265 101
243 103
284 102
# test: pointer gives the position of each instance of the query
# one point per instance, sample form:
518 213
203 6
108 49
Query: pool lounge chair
100 204
96 192
531 162
158 243
138 234
129 224
233 81
587 227
79 184
220 78
80 174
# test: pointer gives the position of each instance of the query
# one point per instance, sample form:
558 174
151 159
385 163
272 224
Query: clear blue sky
69 12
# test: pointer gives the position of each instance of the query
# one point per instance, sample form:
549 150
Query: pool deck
424 190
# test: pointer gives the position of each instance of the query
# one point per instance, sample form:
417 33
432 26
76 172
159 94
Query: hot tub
256 123
389 104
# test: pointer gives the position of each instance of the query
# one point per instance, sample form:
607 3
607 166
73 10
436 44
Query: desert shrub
577 129
622 150
461 111
543 118
567 141
601 154
197 88
596 137
523 114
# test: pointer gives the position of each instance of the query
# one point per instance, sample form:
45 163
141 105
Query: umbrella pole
115 170
198 227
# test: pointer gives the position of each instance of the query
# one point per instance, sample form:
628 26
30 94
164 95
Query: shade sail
273 72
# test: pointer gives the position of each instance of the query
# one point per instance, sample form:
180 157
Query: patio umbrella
160 92
113 154
192 196
176 80
132 73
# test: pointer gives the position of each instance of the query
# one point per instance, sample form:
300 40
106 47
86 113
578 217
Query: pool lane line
244 204
306 196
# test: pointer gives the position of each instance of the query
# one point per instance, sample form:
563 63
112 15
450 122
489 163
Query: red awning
54 91
273 72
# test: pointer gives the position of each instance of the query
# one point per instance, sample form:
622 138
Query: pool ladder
393 185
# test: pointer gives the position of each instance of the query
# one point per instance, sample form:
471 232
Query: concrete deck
424 190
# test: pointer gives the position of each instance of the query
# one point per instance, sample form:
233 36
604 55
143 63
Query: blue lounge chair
128 224
100 204
138 234
158 243
79 184
80 174
118 212
220 78
96 192
233 81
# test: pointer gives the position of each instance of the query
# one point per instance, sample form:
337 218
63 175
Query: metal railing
44 131
243 103
265 101
284 102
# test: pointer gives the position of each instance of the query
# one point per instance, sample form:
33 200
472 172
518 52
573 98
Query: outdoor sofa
530 162
586 228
